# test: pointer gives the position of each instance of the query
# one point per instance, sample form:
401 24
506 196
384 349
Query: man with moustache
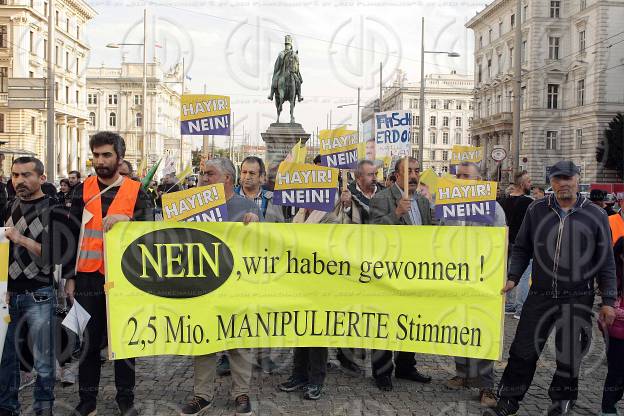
97 205
570 241
392 207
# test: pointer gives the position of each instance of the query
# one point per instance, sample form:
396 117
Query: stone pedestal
280 139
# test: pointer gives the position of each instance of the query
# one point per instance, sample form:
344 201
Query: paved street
163 383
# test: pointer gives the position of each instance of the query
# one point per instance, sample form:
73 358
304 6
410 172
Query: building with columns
448 114
571 53
24 54
115 103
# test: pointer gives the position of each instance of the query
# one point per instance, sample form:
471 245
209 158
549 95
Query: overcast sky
230 47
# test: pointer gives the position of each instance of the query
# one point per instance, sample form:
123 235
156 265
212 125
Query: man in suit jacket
389 207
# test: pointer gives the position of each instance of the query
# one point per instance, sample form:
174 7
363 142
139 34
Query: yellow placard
337 140
461 154
193 289
196 106
182 205
450 190
304 176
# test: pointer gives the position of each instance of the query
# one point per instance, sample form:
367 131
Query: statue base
280 139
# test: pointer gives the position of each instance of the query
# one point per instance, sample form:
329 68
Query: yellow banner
337 140
4 278
196 106
304 176
198 288
461 154
188 204
450 190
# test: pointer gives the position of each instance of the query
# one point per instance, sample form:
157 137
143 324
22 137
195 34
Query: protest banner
297 154
306 186
393 135
339 148
459 199
206 203
4 278
202 114
199 288
461 154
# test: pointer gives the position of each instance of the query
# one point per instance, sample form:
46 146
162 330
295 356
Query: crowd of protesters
564 248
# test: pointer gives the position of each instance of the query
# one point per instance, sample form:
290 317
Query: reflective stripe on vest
90 256
617 227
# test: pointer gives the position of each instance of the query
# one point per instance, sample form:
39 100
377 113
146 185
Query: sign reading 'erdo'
175 263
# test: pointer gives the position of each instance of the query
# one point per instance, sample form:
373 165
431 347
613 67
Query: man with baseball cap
569 240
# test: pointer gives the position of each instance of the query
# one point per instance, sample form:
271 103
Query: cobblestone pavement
163 383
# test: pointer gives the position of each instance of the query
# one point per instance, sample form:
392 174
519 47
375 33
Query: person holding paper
394 206
472 372
32 219
97 205
239 209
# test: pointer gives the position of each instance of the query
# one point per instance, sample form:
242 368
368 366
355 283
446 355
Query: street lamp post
144 45
421 129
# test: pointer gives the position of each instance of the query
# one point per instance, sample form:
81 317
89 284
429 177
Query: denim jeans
522 290
36 309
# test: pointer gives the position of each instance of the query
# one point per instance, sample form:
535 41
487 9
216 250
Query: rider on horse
287 62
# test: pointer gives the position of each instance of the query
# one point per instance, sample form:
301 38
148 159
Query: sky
230 47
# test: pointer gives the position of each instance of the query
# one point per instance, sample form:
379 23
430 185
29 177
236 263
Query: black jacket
568 252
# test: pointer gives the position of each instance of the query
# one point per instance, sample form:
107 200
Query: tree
610 152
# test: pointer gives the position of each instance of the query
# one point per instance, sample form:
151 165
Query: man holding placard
472 372
98 203
239 209
395 206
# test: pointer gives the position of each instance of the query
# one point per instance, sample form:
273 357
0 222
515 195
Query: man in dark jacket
569 239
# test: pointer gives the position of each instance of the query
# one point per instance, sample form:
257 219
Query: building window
458 137
469 121
580 92
513 21
31 74
432 121
489 68
417 120
479 74
66 95
499 69
139 119
499 101
523 51
92 118
4 79
433 155
553 96
480 42
551 140
458 121
138 99
45 8
582 41
444 155
31 42
470 105
77 65
77 97
445 138
579 138
91 98
45 49
57 17
489 36
434 104
432 137
522 97
2 123
33 125
112 99
112 120
525 13
3 36
67 25
459 105
583 4
500 29
447 104
553 47
56 91
554 9
67 62
445 121
77 31
57 58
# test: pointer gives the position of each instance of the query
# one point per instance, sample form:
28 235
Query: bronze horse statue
287 80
